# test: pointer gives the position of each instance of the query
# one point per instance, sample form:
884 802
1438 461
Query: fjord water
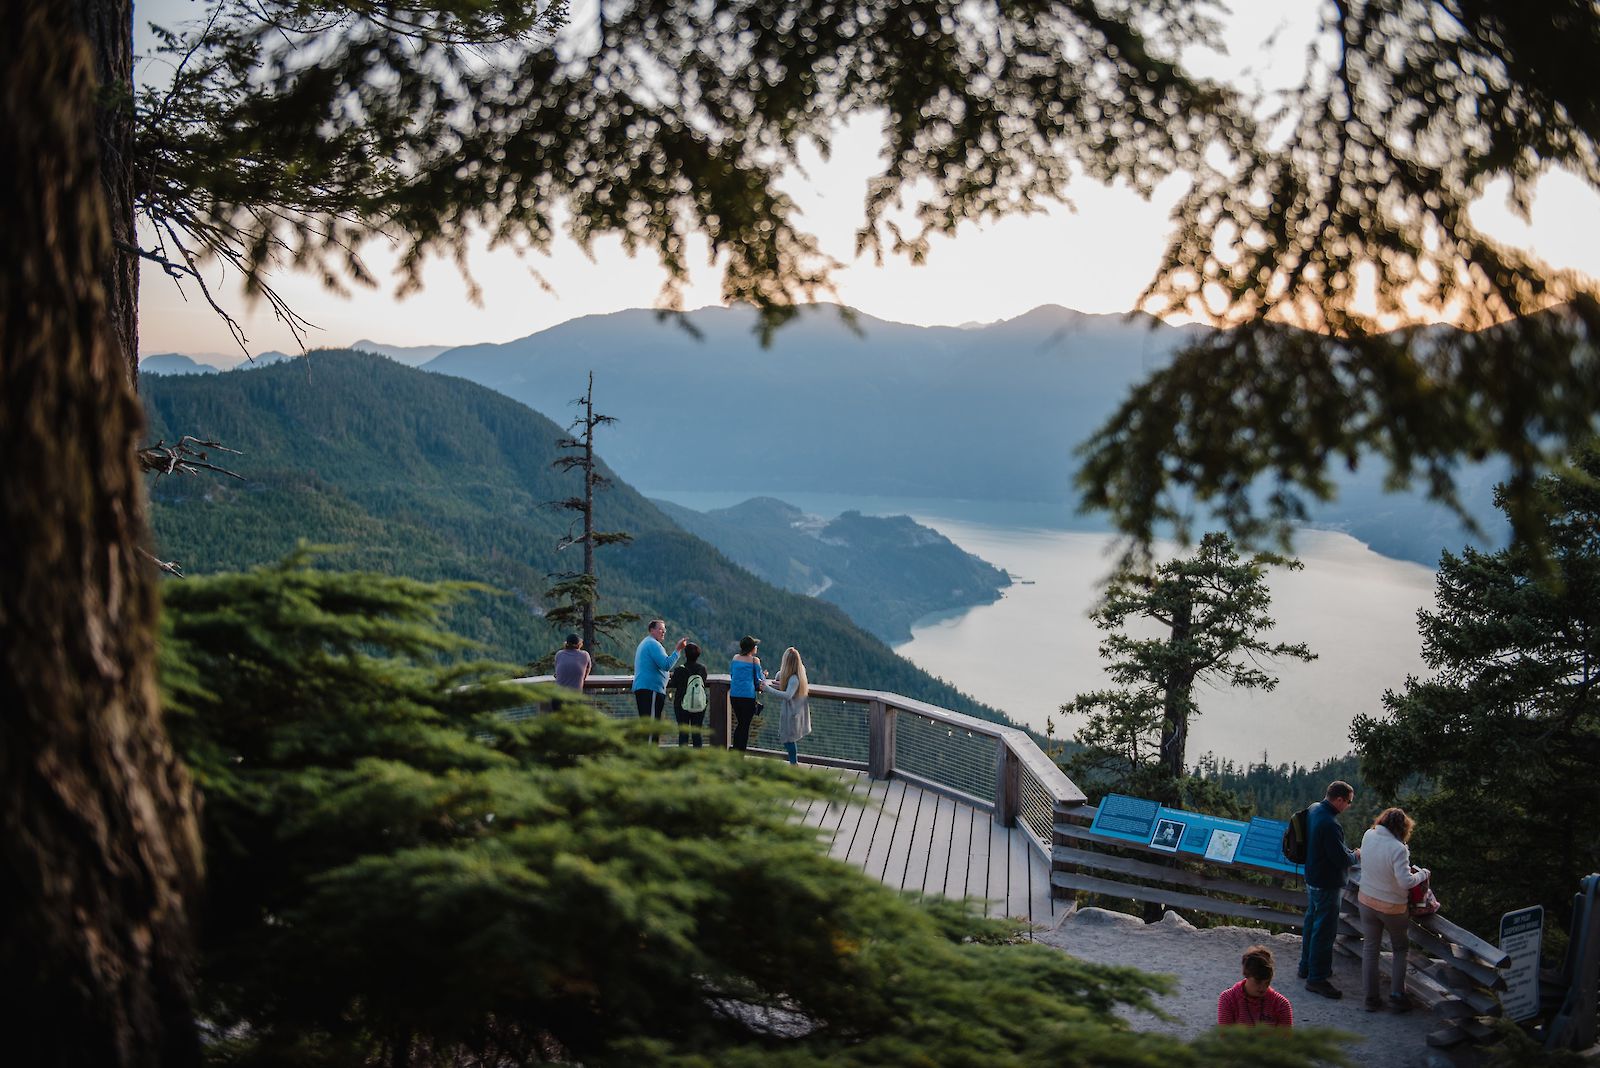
1036 648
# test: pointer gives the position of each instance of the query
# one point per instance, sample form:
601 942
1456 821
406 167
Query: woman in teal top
745 680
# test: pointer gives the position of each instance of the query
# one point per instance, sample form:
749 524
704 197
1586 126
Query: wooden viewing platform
940 802
911 838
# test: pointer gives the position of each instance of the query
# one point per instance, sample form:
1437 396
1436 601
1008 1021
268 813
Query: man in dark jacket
1327 860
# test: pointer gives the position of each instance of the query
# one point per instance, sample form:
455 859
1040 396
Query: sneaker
1374 1005
1325 988
1401 1002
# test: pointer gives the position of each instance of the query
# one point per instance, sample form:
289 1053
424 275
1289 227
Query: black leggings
650 704
689 719
744 710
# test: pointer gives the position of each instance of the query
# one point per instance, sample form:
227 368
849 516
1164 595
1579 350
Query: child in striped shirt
1251 1002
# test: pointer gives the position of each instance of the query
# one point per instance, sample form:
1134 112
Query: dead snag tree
576 593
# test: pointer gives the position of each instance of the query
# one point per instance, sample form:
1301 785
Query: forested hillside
1278 790
437 478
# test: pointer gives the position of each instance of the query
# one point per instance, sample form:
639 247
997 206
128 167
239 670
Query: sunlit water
1036 648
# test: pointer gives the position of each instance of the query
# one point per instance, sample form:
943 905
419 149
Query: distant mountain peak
410 355
1048 311
1060 315
174 363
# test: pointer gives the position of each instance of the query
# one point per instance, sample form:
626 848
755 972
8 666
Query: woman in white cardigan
1385 896
791 686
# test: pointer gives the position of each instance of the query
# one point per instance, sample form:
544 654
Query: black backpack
1297 836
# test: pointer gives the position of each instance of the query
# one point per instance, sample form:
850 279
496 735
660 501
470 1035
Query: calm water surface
1035 649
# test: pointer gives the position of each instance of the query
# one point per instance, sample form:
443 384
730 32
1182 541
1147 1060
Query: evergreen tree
402 875
578 592
1506 731
1214 607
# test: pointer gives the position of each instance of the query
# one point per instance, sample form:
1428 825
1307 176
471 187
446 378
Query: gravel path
1206 962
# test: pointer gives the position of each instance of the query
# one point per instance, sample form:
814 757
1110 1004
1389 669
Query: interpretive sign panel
1263 844
1171 830
1520 934
1121 816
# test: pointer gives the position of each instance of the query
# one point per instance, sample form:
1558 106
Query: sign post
1520 934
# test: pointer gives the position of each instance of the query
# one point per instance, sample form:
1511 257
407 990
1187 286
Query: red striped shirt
1234 1006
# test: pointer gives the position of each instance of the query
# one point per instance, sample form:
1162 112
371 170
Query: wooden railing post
1007 785
880 740
717 708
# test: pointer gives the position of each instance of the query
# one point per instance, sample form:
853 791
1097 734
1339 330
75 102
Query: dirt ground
1206 961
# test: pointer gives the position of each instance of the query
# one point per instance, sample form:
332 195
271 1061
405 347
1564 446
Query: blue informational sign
1132 818
1171 830
1263 845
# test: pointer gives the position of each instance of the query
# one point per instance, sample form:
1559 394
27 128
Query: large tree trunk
98 838
1178 684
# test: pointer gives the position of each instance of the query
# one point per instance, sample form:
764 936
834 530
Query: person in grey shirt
573 664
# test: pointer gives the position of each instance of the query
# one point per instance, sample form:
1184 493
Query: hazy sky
1095 256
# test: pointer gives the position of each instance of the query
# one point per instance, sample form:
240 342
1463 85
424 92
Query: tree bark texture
99 846
1175 717
108 27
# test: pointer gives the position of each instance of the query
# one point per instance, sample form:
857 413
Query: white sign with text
1520 934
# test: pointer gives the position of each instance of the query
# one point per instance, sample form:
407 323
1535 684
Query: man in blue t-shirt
650 666
1327 860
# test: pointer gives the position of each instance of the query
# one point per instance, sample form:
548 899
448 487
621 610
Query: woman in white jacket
1385 896
792 687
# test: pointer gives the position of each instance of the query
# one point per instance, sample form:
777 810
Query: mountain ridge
885 409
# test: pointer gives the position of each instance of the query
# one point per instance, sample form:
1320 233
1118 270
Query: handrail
843 693
1007 774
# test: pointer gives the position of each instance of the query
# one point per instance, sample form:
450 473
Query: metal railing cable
949 755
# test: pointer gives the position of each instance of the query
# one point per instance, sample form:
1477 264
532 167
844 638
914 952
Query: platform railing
990 766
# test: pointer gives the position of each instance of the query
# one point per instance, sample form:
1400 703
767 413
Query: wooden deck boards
938 858
913 839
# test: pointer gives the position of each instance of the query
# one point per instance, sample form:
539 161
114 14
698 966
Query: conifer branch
189 456
170 567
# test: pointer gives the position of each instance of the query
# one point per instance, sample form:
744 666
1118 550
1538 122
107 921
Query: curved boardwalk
910 838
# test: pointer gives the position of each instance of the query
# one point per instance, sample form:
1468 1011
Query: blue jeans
793 749
1316 939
